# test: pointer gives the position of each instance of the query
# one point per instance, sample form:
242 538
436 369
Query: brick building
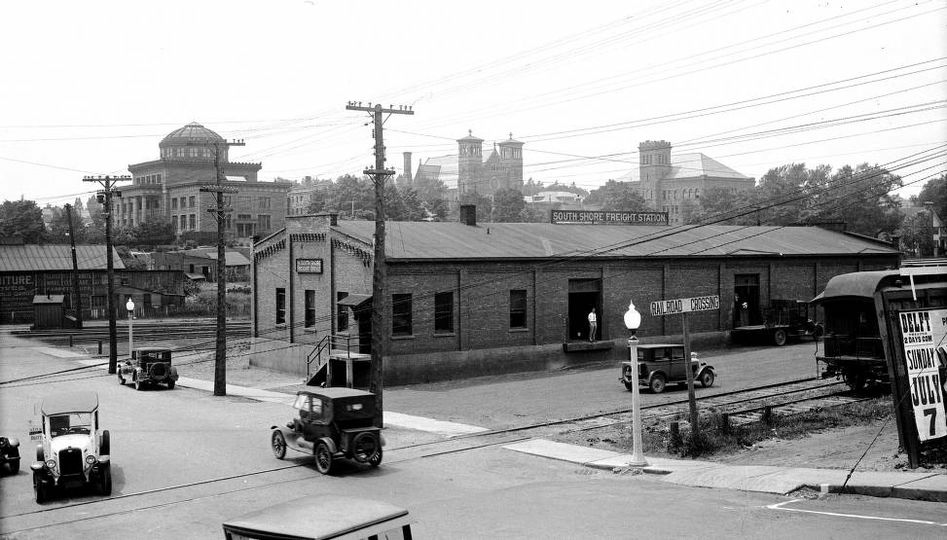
669 182
168 188
29 270
469 299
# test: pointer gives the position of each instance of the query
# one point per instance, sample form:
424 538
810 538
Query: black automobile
148 365
9 455
661 364
333 423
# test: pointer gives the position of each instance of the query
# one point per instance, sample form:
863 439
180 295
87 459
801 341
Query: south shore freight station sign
597 217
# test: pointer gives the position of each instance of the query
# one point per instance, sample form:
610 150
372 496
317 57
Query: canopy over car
70 402
320 517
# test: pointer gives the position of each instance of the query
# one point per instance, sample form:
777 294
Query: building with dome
168 188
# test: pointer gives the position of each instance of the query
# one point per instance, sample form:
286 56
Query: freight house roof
50 257
497 241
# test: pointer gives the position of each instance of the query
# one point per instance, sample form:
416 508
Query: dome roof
191 133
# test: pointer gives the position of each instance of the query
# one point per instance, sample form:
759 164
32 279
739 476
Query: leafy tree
95 231
935 191
917 235
353 192
508 206
153 232
862 198
22 218
720 205
782 191
620 196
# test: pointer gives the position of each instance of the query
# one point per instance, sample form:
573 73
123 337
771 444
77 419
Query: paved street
184 461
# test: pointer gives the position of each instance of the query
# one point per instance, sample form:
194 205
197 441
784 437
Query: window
264 203
342 312
192 221
174 204
310 317
401 314
190 201
443 312
183 222
517 308
263 222
280 305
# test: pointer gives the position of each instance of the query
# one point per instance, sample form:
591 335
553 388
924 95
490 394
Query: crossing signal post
104 197
380 307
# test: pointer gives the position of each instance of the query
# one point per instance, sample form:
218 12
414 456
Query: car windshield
72 423
301 402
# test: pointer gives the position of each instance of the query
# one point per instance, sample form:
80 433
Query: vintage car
322 517
148 365
73 451
10 454
662 364
333 423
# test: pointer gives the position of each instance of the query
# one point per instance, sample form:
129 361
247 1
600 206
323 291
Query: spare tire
365 446
159 371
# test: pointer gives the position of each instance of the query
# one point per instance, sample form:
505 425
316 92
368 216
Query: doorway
584 294
746 300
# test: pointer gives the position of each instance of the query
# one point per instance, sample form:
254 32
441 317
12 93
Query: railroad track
144 331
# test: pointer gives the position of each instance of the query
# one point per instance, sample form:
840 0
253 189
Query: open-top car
9 454
73 451
332 423
148 365
661 364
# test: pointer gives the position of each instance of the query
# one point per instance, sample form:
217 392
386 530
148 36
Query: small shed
48 311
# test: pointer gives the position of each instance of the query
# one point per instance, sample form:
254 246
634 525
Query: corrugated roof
433 241
33 257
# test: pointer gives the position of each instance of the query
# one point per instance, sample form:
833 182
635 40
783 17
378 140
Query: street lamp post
130 306
632 322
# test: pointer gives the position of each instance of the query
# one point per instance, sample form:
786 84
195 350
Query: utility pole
105 197
379 276
76 293
218 189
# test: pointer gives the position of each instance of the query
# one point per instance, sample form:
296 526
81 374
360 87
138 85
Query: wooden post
691 399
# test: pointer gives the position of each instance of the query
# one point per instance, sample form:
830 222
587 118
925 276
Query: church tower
511 162
469 163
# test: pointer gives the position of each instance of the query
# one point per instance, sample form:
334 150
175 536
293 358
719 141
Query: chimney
408 177
333 220
468 214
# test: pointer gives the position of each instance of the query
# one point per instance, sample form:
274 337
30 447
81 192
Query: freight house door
584 294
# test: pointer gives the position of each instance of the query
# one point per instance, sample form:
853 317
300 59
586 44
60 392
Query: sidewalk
758 478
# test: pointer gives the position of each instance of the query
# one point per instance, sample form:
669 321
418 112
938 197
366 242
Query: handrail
330 342
316 354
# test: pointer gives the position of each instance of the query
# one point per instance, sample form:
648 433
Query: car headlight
50 463
90 459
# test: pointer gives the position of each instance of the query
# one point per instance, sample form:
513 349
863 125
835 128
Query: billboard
925 355
601 217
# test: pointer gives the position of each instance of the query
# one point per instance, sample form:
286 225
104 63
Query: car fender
655 372
331 444
173 373
706 368
13 442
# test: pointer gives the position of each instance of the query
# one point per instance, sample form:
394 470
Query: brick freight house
472 299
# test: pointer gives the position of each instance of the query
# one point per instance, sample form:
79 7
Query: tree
917 235
862 198
356 193
720 205
508 206
24 219
95 231
153 233
782 191
935 191
482 202
617 196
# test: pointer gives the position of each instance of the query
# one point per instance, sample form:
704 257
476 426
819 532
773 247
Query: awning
355 300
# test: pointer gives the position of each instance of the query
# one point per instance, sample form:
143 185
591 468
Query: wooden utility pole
76 293
380 307
105 198
219 212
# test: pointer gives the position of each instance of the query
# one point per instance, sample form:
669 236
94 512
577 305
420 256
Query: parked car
333 423
662 364
322 517
148 365
10 454
73 451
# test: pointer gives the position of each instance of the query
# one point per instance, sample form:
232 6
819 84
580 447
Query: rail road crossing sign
924 344
660 308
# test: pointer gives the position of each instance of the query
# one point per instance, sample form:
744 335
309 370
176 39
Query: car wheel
707 379
629 386
855 380
121 380
364 447
323 458
375 460
658 382
42 493
105 445
105 481
170 384
779 338
138 384
14 466
278 443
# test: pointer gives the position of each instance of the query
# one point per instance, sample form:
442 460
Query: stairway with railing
331 348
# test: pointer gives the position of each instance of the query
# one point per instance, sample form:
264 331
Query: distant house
201 263
28 271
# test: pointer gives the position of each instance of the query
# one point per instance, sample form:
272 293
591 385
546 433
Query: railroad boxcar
856 307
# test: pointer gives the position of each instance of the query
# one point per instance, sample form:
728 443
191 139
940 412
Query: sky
91 87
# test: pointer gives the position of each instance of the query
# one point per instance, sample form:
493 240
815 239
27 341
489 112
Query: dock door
584 294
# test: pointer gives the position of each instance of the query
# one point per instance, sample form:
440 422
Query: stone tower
469 163
654 164
408 177
511 162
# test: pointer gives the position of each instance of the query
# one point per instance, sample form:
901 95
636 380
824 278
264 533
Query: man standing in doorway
593 324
